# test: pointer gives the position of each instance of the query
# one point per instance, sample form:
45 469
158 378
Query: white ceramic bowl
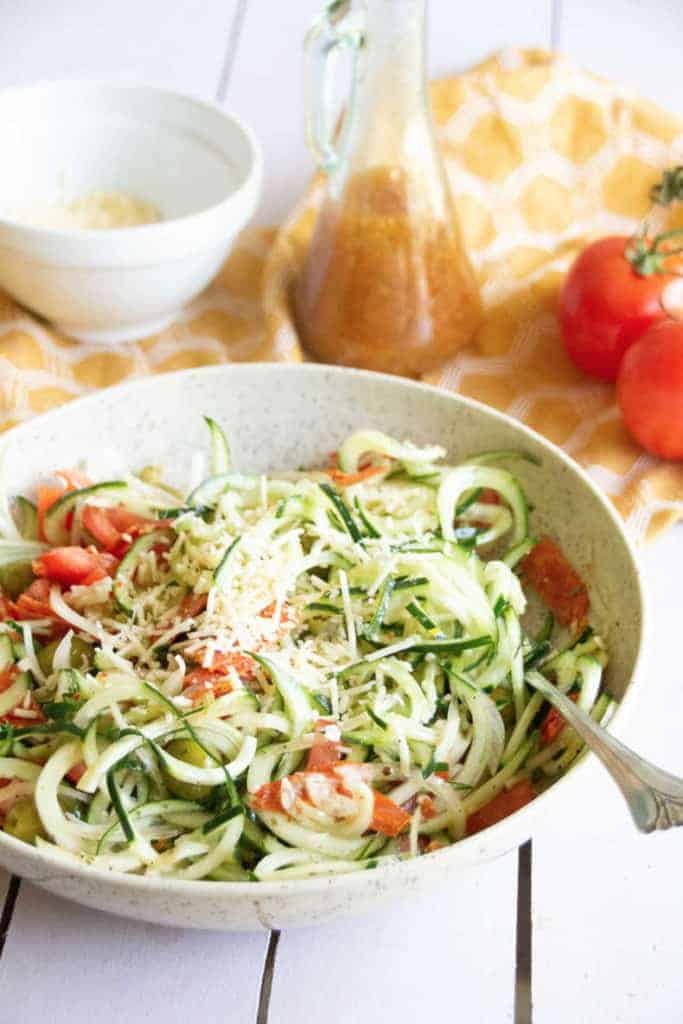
63 140
286 416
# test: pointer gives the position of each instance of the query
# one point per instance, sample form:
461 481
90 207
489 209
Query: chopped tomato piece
34 603
7 608
130 522
507 802
193 604
107 566
387 817
76 773
122 548
71 566
268 797
365 473
47 496
427 807
554 723
96 521
202 683
74 479
286 622
108 525
557 583
324 752
489 497
242 664
287 616
18 721
223 660
7 677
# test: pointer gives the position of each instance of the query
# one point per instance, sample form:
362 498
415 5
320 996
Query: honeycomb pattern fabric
41 369
542 156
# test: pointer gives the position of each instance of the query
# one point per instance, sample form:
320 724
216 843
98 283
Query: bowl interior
69 139
289 417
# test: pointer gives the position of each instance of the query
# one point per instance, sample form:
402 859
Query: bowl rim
163 231
507 834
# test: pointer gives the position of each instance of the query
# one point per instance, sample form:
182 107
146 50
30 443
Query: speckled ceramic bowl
281 416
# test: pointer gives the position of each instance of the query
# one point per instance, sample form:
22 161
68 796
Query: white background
607 903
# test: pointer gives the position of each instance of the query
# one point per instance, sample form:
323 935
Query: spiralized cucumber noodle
278 677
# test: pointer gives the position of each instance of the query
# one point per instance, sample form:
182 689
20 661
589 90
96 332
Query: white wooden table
584 925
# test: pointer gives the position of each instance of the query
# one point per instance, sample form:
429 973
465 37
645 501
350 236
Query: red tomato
324 751
106 566
387 817
610 297
553 724
427 807
222 661
107 526
96 521
348 479
72 565
76 773
192 605
507 802
650 390
132 523
34 603
7 608
557 583
202 684
7 677
268 796
47 496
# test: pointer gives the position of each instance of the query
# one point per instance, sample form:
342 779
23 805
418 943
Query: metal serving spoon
654 797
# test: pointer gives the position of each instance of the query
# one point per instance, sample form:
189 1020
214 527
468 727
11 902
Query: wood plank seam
524 937
267 979
231 47
8 910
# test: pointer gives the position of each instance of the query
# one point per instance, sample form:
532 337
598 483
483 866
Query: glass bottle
387 284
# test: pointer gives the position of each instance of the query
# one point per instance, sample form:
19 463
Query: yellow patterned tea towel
541 157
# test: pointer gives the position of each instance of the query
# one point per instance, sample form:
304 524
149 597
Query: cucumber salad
265 678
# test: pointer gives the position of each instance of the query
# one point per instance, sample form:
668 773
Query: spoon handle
654 797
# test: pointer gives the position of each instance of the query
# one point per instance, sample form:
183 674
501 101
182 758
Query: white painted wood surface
65 964
634 42
179 45
454 946
606 903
